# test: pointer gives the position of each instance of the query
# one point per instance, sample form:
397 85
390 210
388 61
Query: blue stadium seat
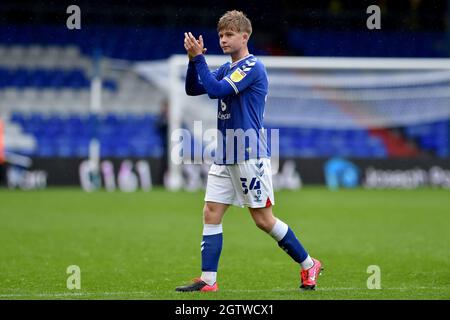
69 136
54 78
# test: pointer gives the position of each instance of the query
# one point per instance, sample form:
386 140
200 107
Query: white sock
210 229
209 277
307 263
279 230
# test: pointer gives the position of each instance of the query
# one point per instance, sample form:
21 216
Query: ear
245 37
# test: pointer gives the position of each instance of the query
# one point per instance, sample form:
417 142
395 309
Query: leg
211 247
287 240
266 221
263 217
253 182
213 212
253 185
219 195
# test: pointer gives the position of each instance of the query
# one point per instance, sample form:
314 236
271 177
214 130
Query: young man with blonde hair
243 178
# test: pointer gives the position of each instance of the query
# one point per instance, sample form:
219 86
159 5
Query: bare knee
265 225
264 220
213 213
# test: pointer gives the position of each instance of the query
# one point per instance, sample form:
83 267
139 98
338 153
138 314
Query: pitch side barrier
131 174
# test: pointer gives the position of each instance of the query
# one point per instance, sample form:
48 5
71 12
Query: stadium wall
369 173
69 172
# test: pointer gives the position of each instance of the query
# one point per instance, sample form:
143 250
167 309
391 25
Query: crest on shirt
237 75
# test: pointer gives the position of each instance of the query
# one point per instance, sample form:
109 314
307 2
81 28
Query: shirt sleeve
244 76
214 88
193 85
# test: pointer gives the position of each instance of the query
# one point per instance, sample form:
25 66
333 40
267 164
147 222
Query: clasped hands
193 46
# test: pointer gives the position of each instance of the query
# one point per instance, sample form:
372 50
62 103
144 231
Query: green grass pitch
143 245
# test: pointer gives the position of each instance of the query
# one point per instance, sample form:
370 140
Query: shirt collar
236 62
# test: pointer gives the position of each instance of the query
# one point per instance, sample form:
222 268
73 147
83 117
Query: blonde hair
236 21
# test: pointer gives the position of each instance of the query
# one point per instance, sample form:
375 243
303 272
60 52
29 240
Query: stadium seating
138 43
45 80
308 142
41 78
69 136
432 137
139 135
367 43
56 79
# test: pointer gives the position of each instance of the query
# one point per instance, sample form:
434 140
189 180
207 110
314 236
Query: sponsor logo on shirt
223 105
224 116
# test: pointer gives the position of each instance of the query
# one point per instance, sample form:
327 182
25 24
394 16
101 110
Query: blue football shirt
240 115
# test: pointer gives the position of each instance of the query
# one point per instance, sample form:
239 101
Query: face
232 41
